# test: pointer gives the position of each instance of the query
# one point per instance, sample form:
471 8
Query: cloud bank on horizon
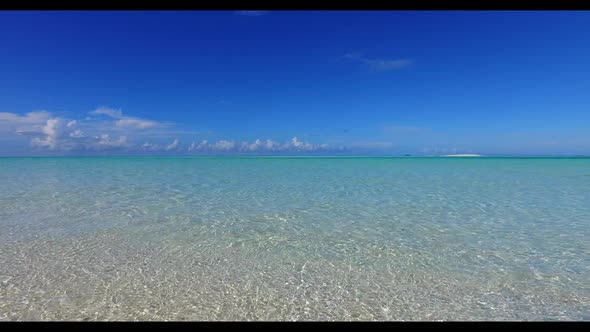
294 145
109 129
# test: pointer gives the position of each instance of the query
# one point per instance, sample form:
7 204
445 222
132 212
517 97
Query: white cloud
150 147
115 130
224 145
198 147
173 146
113 113
104 141
294 145
61 134
136 123
30 122
126 121
298 145
381 64
35 117
54 132
47 131
270 144
77 134
254 146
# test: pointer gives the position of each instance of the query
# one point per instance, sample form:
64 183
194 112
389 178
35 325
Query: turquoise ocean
294 238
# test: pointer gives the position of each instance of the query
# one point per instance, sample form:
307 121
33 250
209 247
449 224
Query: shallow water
265 238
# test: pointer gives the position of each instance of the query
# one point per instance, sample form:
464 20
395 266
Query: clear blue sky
355 82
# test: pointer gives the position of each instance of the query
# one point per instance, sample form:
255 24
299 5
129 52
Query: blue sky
305 82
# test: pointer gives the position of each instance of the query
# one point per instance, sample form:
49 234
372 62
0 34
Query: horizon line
303 156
